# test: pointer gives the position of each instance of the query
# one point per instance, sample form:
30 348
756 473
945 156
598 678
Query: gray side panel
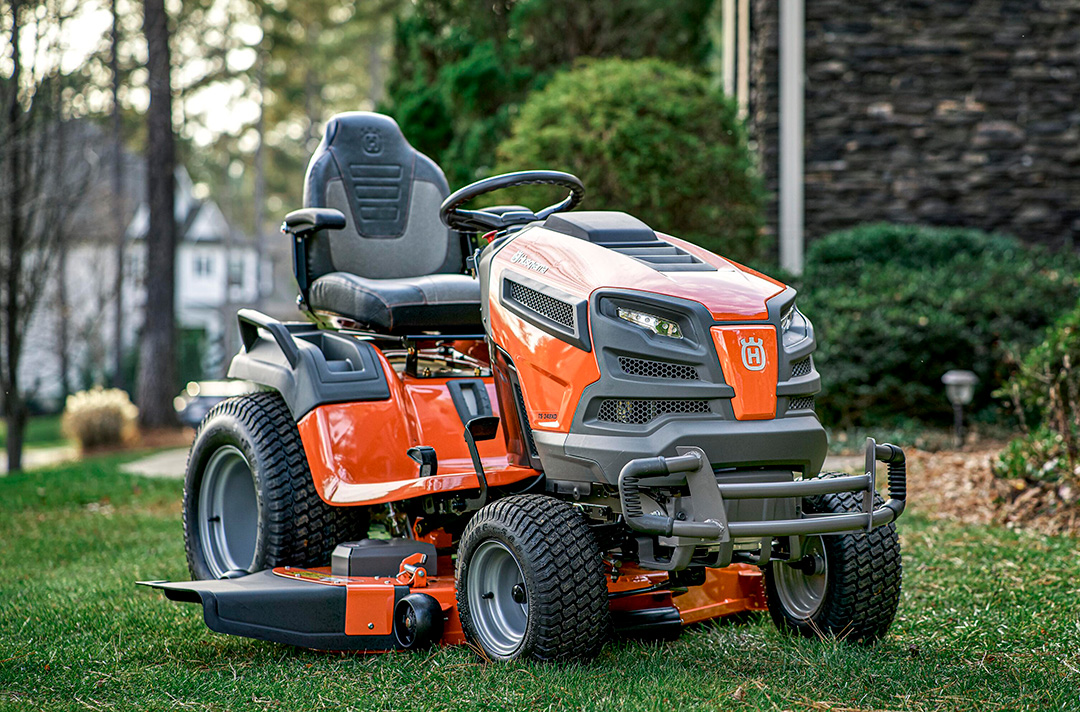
331 369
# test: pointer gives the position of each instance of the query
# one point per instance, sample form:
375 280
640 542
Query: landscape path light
960 389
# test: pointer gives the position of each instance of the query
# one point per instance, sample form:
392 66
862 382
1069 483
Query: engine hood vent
628 236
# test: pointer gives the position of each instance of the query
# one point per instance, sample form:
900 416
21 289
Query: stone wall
955 112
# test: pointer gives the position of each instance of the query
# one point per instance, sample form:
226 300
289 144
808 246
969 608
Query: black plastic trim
278 609
308 366
578 335
648 623
478 388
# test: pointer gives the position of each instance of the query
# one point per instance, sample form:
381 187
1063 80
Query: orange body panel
733 589
748 357
553 373
356 451
370 600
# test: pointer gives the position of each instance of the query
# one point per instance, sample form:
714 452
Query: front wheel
530 582
845 585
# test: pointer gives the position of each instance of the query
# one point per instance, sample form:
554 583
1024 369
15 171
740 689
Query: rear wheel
530 582
249 499
845 585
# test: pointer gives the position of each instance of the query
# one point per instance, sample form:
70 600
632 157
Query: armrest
302 223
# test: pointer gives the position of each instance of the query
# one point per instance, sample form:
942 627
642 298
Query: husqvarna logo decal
753 354
748 356
372 141
520 258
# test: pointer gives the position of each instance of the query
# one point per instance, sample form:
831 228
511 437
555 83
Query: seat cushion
435 302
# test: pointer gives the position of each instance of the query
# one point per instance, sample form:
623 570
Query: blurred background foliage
1045 395
462 69
895 306
650 139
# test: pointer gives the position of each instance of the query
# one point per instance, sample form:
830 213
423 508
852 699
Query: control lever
412 572
481 428
426 458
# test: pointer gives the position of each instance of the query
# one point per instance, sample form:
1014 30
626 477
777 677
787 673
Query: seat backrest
390 194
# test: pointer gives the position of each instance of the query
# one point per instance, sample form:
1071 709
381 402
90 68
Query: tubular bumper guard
709 497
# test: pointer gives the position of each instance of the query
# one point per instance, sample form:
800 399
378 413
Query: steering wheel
453 216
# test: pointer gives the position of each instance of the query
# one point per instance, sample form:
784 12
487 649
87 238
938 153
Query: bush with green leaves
651 139
1045 393
895 306
462 68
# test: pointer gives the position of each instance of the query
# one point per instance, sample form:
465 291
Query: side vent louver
523 416
663 257
550 308
801 368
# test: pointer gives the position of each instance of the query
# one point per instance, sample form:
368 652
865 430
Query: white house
218 270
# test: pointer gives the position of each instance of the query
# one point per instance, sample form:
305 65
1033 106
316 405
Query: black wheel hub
518 593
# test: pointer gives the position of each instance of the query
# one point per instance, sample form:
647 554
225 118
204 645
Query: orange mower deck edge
523 431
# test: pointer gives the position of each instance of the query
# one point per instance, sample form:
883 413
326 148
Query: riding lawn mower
523 430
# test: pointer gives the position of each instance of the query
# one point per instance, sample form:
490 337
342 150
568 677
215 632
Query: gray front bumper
709 524
797 443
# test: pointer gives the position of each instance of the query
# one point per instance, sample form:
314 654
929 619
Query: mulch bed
960 486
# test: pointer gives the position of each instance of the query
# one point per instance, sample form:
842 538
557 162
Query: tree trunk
119 211
63 312
260 188
157 367
14 408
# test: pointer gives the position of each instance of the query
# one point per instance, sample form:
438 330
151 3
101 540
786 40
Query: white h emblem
753 353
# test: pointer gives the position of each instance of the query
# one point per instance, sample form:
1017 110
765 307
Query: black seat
395 267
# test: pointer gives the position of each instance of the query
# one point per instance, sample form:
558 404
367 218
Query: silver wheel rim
228 513
803 594
500 620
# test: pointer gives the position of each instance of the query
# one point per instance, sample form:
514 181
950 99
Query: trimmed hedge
649 139
895 306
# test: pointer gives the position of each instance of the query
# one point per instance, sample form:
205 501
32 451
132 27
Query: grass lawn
41 431
990 619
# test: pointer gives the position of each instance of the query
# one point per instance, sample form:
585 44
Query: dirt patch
960 486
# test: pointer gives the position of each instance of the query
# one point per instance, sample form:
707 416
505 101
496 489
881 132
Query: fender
308 367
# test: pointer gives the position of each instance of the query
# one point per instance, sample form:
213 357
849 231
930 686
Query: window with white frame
203 266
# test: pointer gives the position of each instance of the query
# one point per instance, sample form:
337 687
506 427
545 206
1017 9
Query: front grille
801 403
801 368
657 369
556 310
639 412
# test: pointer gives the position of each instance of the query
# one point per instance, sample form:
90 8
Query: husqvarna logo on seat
371 141
753 354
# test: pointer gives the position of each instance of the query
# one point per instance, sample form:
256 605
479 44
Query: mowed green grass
990 619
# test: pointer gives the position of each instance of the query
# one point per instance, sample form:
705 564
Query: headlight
794 327
786 318
650 322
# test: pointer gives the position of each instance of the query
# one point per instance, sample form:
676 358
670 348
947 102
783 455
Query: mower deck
312 608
